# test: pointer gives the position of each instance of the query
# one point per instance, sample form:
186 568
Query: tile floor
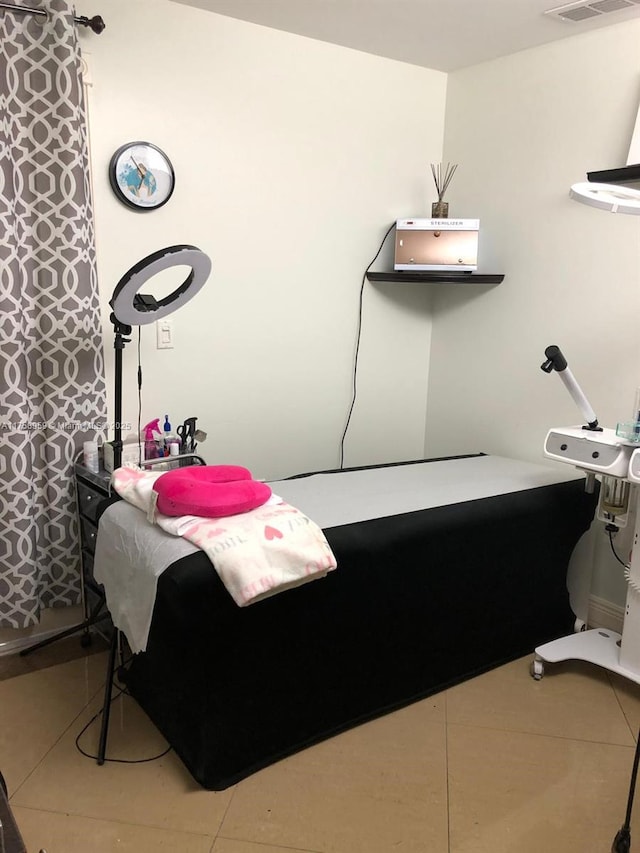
499 764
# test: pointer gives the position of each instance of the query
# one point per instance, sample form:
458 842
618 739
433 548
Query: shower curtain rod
96 23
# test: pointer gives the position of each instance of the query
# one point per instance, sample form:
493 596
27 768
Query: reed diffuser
442 179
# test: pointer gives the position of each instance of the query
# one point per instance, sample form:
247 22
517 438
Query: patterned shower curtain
52 389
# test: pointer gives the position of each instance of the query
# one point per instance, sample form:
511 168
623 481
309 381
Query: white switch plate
164 334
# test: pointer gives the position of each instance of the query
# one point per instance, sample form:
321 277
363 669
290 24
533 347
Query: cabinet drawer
88 534
88 500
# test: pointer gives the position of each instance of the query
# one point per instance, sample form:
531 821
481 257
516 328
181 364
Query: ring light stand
133 308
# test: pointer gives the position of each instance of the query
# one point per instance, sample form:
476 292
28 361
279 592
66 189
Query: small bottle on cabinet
90 457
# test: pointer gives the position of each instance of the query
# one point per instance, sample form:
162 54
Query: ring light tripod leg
97 615
108 689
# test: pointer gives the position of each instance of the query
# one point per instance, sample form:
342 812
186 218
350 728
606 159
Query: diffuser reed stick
442 178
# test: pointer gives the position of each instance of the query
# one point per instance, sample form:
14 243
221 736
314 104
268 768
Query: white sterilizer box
436 244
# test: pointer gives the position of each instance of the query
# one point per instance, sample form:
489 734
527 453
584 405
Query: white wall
523 129
292 158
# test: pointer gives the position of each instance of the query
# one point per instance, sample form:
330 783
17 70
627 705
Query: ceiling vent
584 10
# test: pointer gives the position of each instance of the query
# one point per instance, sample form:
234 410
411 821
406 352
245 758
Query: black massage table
420 601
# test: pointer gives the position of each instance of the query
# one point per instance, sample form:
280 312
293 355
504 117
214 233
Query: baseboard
604 614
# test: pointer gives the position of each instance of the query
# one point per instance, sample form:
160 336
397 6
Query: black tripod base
97 615
85 640
622 841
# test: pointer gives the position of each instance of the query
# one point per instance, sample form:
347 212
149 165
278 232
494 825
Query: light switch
164 334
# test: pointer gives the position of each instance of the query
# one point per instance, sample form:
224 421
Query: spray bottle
150 444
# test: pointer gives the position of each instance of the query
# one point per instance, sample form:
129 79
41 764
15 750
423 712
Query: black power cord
358 334
121 692
611 529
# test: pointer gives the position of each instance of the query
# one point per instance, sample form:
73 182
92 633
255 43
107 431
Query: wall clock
141 176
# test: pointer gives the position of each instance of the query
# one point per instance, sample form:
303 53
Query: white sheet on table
347 497
130 556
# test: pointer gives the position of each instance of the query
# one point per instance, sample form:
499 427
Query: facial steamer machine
614 457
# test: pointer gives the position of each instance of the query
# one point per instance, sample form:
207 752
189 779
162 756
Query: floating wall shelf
435 277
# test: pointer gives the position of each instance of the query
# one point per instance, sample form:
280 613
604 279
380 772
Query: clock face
141 175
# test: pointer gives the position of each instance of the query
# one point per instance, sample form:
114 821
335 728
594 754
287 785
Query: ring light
617 199
136 309
131 308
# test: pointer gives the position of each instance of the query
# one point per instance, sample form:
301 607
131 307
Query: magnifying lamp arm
578 397
556 361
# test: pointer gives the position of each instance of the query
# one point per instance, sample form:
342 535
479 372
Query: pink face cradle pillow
210 491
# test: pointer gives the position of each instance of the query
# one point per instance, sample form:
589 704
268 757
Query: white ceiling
441 34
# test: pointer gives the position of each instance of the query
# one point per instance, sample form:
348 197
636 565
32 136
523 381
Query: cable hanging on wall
96 23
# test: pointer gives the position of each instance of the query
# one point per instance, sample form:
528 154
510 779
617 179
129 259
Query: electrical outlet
164 334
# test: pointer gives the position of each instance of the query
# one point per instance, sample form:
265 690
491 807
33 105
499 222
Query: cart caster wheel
536 669
579 626
85 640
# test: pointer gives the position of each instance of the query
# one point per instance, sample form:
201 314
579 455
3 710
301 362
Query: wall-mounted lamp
605 189
611 197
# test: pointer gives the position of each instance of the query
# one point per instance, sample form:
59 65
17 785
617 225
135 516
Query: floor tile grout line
223 818
542 734
118 822
115 820
268 845
633 732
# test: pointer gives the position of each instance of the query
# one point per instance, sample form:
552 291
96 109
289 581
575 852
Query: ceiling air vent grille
586 9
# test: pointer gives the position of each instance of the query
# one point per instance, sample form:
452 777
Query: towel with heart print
256 554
